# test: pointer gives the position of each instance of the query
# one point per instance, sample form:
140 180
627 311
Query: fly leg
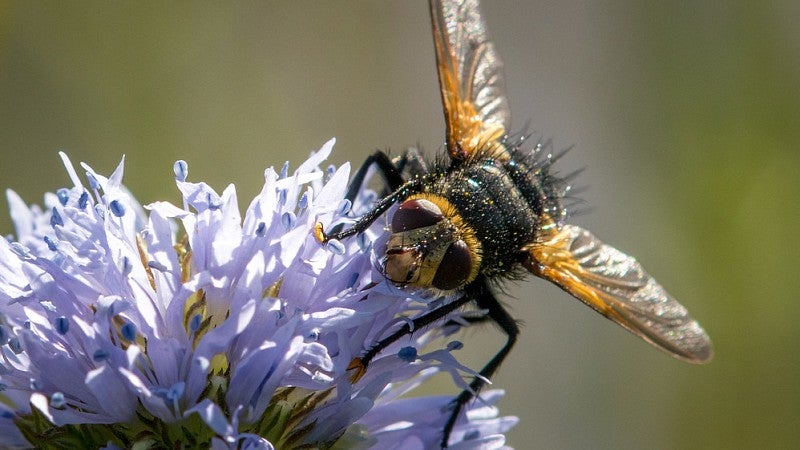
359 365
483 296
391 172
411 163
396 189
394 171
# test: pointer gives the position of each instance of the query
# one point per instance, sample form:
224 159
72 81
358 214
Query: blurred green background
685 114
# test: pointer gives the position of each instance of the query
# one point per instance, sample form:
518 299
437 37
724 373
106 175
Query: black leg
394 171
389 171
411 163
480 291
468 320
416 324
366 220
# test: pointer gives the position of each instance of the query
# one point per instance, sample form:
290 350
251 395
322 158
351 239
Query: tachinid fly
494 210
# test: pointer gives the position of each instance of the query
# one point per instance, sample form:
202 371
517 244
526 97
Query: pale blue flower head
191 326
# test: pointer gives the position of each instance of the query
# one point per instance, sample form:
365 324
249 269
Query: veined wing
615 285
470 78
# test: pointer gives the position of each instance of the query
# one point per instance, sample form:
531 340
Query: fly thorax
430 245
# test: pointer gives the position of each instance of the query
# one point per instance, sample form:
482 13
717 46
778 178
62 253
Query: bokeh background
686 116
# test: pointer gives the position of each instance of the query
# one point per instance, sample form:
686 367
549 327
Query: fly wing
470 78
615 285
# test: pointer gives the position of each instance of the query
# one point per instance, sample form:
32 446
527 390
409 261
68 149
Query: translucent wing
470 78
616 286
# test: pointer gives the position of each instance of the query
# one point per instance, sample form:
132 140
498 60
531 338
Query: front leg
410 187
399 189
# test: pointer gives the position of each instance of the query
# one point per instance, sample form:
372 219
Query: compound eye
455 267
415 213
